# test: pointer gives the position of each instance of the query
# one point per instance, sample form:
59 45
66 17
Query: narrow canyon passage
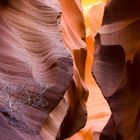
69 70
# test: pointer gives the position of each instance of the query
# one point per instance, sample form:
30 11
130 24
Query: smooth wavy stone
73 34
116 68
32 57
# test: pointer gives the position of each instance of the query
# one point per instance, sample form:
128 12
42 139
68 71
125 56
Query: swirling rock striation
116 68
35 68
73 34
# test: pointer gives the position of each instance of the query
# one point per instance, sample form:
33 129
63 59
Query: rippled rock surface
35 68
116 68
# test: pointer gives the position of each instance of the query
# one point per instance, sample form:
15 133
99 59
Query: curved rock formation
35 68
73 32
116 68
